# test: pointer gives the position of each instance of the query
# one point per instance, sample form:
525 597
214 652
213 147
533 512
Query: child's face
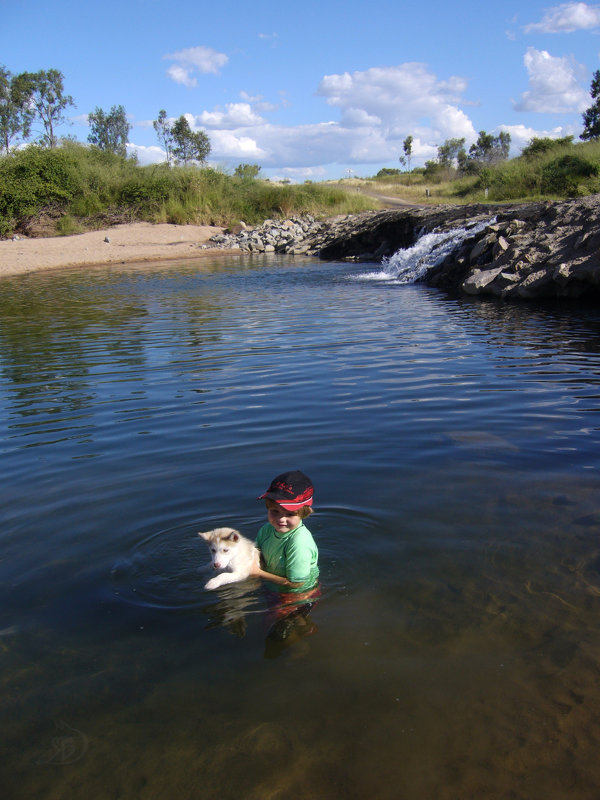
282 520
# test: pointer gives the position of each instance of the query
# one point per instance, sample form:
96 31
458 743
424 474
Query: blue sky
315 90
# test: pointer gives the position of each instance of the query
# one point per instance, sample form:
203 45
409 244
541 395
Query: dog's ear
206 535
234 536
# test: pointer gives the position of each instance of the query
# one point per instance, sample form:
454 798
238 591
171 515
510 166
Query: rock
479 279
525 251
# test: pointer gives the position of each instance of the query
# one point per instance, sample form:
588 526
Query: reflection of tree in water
65 341
49 335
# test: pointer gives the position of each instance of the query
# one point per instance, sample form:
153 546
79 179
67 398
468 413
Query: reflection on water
454 650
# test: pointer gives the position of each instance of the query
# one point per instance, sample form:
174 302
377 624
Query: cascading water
413 263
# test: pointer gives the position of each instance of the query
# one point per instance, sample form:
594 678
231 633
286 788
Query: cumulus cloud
376 110
147 155
193 61
235 115
521 135
401 97
566 18
554 86
235 145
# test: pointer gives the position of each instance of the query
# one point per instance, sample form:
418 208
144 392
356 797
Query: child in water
287 548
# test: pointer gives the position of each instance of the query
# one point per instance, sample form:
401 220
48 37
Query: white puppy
229 551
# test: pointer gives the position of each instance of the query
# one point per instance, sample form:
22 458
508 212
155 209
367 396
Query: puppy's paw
213 583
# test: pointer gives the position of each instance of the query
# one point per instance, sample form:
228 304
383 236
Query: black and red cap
291 490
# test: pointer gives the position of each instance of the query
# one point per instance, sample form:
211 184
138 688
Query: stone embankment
532 250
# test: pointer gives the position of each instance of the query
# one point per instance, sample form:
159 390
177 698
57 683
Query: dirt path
391 202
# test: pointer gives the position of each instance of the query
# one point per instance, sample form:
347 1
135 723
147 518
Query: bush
563 175
86 185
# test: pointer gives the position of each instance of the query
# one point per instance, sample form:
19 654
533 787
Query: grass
80 188
85 188
565 170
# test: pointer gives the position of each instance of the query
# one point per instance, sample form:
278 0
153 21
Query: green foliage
247 171
87 186
541 146
16 113
564 174
432 170
487 150
450 152
36 178
109 131
45 93
388 172
591 117
189 145
164 134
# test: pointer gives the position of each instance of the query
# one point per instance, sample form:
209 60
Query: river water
454 447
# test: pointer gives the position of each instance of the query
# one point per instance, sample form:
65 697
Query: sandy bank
140 241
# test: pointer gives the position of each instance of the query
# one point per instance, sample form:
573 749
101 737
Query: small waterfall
410 265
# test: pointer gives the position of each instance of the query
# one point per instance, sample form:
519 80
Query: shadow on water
454 648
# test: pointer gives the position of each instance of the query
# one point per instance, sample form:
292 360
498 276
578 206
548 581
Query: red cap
290 490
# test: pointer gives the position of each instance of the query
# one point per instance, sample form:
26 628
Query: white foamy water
413 263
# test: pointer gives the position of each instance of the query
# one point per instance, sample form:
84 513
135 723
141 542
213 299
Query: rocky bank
526 251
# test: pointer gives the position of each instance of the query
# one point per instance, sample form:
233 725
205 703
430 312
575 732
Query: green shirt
292 555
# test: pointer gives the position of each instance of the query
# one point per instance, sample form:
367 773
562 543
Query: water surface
454 446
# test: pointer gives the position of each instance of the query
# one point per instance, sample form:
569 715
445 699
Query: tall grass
565 170
84 187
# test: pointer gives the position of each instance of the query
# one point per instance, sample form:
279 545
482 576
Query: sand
135 242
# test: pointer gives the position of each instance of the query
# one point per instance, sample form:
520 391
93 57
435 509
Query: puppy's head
221 543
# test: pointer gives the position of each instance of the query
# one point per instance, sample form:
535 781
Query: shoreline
129 243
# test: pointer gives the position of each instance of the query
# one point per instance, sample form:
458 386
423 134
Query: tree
490 149
165 134
247 171
450 151
407 145
16 113
591 117
539 146
110 131
387 172
46 93
189 145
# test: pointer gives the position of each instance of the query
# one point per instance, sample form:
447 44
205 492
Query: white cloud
521 135
401 97
147 155
566 18
193 61
235 145
554 86
259 102
236 115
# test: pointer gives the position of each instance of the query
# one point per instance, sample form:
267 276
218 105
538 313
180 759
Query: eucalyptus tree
16 112
450 152
48 101
109 131
407 145
164 132
591 117
189 145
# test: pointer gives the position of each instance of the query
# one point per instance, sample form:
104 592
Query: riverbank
128 243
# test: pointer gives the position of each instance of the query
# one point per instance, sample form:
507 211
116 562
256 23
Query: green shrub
564 174
85 185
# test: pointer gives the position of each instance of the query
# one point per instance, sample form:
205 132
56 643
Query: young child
287 547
